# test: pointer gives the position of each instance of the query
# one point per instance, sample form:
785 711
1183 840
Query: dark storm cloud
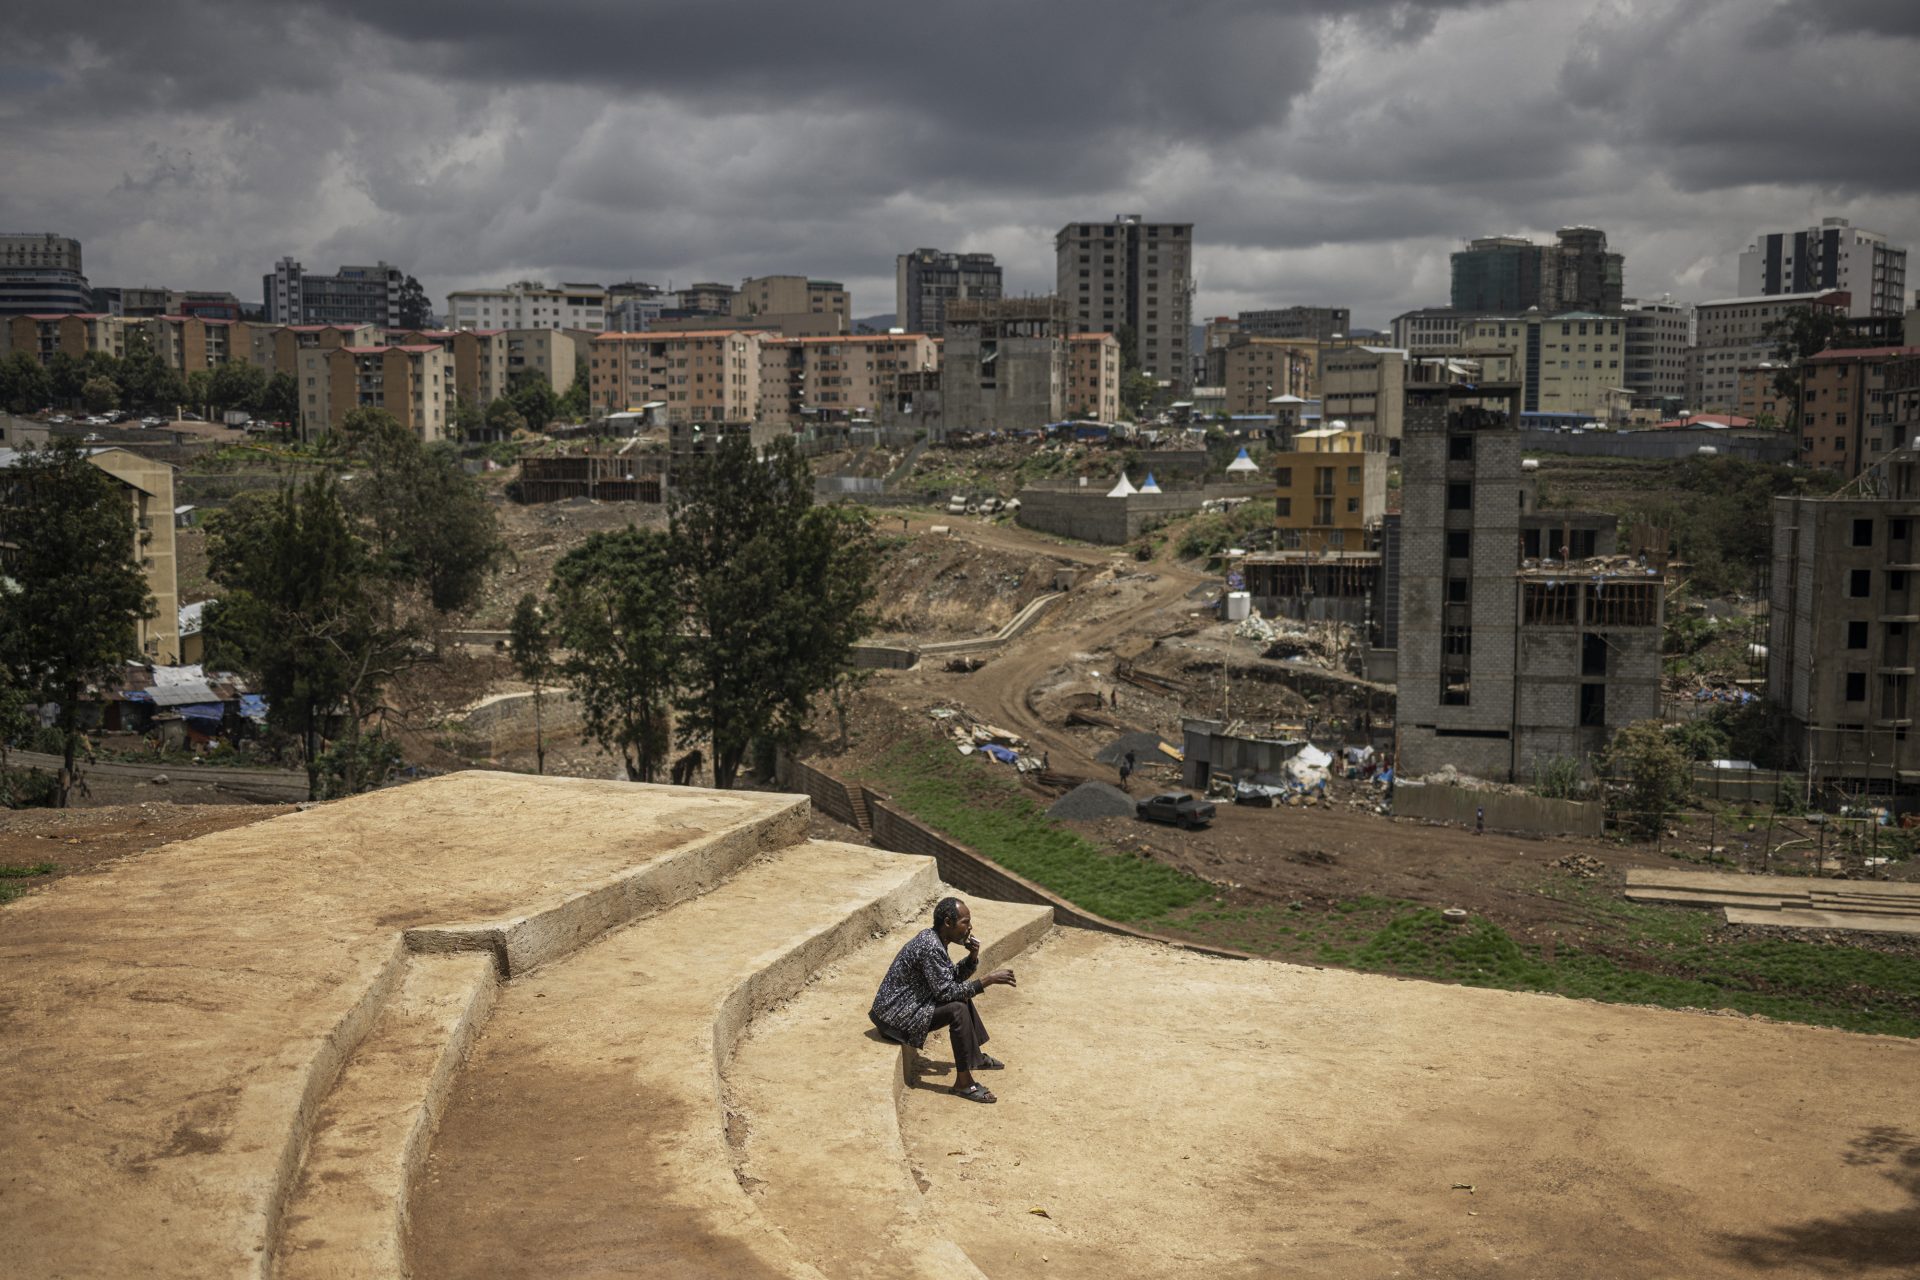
1329 150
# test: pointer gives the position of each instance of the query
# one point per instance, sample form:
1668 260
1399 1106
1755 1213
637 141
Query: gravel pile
1145 748
1092 800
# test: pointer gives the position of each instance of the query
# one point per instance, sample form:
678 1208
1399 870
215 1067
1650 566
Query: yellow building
1330 492
701 375
837 378
1255 370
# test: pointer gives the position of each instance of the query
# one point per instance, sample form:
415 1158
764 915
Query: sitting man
923 991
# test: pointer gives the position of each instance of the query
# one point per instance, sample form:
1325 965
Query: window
1897 528
1283 507
1863 533
1353 506
1353 475
1593 705
1460 449
1856 686
1856 635
1456 591
1459 544
1459 496
1593 654
1860 583
1283 476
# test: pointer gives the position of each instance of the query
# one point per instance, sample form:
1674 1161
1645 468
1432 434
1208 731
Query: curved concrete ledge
594 1093
1016 625
820 1097
177 1021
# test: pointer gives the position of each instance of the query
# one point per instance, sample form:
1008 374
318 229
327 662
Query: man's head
951 920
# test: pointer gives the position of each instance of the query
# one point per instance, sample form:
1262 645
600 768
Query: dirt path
1005 537
1181 1117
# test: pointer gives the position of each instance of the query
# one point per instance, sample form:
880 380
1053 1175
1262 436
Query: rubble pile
975 736
1092 800
1582 865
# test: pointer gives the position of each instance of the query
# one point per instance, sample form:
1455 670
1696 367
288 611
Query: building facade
1654 358
697 375
1844 627
1510 274
529 304
925 280
1429 329
1330 490
1093 377
1834 255
1570 363
479 358
1852 411
808 306
1136 276
351 295
1363 387
837 378
1004 365
414 383
1254 371
1323 324
1732 333
41 274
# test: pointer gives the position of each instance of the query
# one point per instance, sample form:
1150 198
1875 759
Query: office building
926 280
529 304
1508 274
1842 637
1429 329
1834 255
1133 276
352 295
1733 333
1654 356
40 274
1322 324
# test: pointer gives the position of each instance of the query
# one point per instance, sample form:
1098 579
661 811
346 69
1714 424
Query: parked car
1177 808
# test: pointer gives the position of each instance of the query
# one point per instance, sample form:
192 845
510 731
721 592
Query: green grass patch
8 871
980 804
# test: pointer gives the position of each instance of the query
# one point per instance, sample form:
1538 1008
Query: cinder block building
1004 365
1505 662
1844 627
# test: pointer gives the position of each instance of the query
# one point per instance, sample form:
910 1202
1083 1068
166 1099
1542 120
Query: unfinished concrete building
604 475
1506 662
1004 366
1843 620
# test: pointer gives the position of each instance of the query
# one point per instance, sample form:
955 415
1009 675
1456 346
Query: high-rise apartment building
40 274
351 295
1657 338
1834 255
1132 275
925 280
529 304
1509 274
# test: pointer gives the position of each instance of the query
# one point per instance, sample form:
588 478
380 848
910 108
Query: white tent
1241 463
1123 489
1148 486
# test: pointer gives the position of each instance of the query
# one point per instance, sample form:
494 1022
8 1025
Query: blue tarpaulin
1002 754
253 706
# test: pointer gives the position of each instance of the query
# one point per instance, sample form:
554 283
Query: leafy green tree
1137 392
775 589
197 393
577 403
532 647
236 385
302 613
431 524
1649 773
532 395
280 400
100 395
468 421
416 309
503 419
145 380
24 384
68 377
616 614
72 544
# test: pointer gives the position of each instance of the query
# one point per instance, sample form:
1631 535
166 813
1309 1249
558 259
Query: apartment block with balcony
75 334
1733 333
529 304
1857 404
1843 638
554 354
479 359
415 383
837 378
1255 370
1330 490
694 376
1135 276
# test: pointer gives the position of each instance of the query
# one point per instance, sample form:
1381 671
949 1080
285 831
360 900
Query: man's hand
972 944
999 978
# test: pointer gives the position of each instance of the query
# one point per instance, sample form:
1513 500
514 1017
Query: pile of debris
1092 800
1582 865
976 737
1317 644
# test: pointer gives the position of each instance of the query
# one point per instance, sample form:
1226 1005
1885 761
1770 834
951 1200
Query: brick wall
827 792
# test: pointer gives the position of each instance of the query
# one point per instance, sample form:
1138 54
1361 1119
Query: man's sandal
975 1092
989 1064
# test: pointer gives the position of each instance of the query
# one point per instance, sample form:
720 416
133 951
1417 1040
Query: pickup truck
1175 807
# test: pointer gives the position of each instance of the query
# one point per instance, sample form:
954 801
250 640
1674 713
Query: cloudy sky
1328 151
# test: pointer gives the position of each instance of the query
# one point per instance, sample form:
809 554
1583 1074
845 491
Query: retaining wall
889 657
1528 815
1091 516
829 795
1679 442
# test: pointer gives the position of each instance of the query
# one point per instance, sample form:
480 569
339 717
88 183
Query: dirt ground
1169 1115
81 841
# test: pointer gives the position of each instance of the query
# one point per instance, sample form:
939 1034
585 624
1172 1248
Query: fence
1747 786
965 869
1531 815
1776 844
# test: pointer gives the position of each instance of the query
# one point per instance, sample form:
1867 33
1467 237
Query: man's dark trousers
964 1029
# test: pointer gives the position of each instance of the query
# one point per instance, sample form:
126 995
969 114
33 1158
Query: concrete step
587 1135
819 1095
346 1215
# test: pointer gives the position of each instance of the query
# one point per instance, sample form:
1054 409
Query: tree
100 395
533 396
776 592
197 393
24 385
616 613
431 525
1649 771
468 422
145 381
302 613
532 649
71 530
236 385
68 377
1798 334
415 308
577 403
280 399
503 419
1137 392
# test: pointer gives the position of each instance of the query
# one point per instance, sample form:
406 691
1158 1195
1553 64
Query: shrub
1649 774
